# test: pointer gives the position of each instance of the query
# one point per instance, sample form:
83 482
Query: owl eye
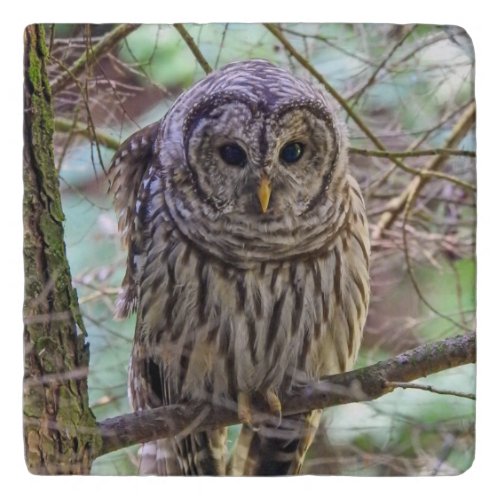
292 152
233 154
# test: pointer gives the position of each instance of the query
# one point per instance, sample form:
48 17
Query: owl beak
264 192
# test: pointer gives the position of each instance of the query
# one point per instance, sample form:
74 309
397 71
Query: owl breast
217 329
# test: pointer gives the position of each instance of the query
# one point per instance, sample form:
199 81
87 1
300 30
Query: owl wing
192 454
133 174
128 168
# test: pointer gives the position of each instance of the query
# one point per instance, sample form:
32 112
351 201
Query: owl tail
271 451
199 454
158 458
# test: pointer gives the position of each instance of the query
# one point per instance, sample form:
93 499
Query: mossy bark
60 430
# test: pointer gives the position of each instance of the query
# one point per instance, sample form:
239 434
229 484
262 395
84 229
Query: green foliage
451 291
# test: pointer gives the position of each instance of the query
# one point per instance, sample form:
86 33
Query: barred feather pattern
231 300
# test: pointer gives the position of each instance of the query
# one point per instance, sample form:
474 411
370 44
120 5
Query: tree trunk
59 427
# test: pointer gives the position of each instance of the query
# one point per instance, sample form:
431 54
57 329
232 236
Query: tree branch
193 47
101 137
412 154
396 206
80 128
356 95
91 56
430 388
364 384
391 214
425 172
275 30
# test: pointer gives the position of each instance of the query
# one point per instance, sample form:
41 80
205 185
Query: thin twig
375 184
331 90
412 154
83 88
90 57
193 47
426 42
141 72
356 95
68 140
397 205
412 196
224 33
328 42
430 388
424 172
80 128
98 294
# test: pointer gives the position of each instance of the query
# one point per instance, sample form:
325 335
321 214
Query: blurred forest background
412 87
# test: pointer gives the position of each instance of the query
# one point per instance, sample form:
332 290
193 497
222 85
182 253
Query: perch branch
91 56
364 384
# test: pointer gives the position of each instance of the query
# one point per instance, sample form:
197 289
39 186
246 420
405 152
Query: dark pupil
292 152
233 154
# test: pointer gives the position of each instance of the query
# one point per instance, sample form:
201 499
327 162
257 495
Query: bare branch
410 200
356 95
415 145
79 128
412 154
275 30
424 173
91 56
331 90
364 384
330 43
430 388
395 206
193 47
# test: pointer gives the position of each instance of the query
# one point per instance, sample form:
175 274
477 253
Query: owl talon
244 408
274 404
246 415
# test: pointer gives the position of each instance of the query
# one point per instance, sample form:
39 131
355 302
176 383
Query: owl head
255 159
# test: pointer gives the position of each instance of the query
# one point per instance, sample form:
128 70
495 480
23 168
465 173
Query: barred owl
247 264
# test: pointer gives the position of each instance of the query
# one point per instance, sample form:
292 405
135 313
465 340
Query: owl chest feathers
216 329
